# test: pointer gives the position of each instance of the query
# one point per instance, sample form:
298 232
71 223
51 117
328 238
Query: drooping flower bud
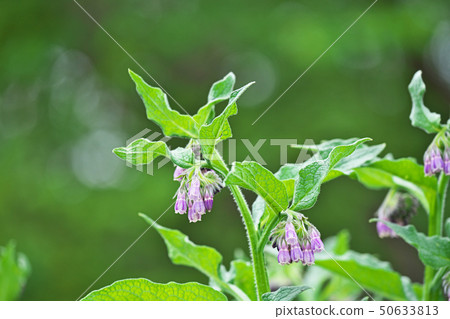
208 197
308 255
198 207
213 180
435 158
178 173
385 231
296 253
396 208
193 216
284 258
194 189
316 242
437 163
291 235
447 161
180 204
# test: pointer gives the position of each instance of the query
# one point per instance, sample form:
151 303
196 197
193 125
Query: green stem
435 225
259 268
435 285
257 255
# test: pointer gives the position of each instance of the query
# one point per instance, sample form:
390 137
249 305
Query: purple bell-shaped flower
291 235
447 161
296 253
284 257
181 204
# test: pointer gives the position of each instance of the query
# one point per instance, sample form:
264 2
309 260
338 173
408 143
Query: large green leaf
403 173
220 91
286 293
262 212
421 116
219 129
253 176
340 289
243 277
143 151
433 251
339 244
327 285
158 110
310 178
372 274
14 271
145 290
184 252
362 155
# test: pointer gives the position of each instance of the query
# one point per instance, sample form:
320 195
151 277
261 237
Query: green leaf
14 272
341 289
184 252
433 251
145 290
286 293
372 274
290 171
307 187
325 147
143 151
259 209
253 176
219 129
220 91
261 212
327 285
358 158
362 155
403 173
243 277
158 110
410 289
421 116
342 243
204 115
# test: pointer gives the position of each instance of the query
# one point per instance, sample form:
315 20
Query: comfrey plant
284 245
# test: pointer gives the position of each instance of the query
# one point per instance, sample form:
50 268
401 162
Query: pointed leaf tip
421 117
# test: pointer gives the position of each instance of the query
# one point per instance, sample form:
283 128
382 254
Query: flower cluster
436 161
196 191
446 285
296 240
396 208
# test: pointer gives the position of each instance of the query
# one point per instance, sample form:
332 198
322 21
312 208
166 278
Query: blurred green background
66 100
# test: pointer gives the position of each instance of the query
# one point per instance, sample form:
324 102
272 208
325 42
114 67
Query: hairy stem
259 268
257 255
435 225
